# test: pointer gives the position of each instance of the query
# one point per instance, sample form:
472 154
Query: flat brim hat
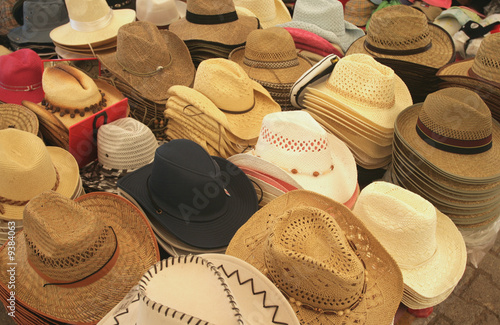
18 117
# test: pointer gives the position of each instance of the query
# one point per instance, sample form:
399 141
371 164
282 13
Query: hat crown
44 15
87 11
158 12
21 68
265 10
208 7
326 14
487 60
363 80
273 44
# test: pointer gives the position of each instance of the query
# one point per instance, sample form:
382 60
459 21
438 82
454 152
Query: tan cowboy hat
18 117
269 12
323 259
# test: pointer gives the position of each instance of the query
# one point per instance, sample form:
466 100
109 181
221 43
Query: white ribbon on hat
92 26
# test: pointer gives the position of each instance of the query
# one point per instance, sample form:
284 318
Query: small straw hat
323 259
77 259
402 33
269 12
18 117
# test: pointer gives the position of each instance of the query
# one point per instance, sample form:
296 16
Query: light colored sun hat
223 92
453 18
208 289
90 22
402 33
305 152
326 19
425 243
323 259
29 168
360 85
18 117
150 60
160 12
269 12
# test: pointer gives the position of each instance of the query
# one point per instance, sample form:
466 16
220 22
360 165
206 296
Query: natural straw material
18 117
269 12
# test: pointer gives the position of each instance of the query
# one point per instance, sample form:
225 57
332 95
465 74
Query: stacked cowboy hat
269 12
270 58
480 74
160 12
75 260
323 259
294 149
425 243
195 202
223 111
446 149
401 38
18 117
212 29
359 102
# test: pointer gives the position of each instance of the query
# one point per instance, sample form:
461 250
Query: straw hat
453 125
90 22
18 117
270 56
430 11
150 60
361 85
403 33
358 12
335 272
425 243
77 259
214 21
29 168
223 91
4 50
269 12
160 12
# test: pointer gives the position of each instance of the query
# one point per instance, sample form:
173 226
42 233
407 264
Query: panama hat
18 117
316 251
160 12
425 243
214 21
269 12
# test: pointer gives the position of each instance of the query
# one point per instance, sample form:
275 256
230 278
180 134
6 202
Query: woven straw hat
150 60
403 33
29 168
214 21
160 12
304 151
208 289
223 91
269 12
360 85
18 117
90 22
425 243
77 259
334 264
453 125
358 12
270 56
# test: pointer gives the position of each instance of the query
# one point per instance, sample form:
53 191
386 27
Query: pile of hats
359 102
223 111
446 150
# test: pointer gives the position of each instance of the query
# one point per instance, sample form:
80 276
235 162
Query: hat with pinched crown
269 12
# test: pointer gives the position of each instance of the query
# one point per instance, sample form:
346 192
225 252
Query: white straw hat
160 12
269 12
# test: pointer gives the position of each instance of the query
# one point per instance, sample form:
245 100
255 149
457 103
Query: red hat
21 77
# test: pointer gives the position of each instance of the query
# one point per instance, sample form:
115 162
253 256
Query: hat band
465 147
379 50
211 19
21 88
472 74
146 74
271 65
239 112
92 26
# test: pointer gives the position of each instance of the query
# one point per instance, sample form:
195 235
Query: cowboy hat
160 12
269 12
18 117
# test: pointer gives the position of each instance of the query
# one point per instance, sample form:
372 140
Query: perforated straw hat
269 12
323 259
160 12
18 117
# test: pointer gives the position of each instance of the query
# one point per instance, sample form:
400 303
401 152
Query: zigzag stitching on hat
126 311
251 281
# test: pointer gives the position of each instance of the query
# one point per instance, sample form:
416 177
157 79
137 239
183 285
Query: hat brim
18 117
282 15
18 36
138 251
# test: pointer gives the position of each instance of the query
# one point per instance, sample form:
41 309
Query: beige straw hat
214 21
18 117
402 33
323 259
269 12
77 259
150 60
4 50
29 168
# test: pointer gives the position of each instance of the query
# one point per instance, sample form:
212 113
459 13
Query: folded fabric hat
21 77
269 12
453 18
160 12
425 243
326 19
150 60
323 259
358 12
75 254
18 117
214 21
402 33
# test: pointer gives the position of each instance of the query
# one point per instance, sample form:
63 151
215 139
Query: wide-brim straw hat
384 287
18 117
89 303
403 33
269 12
214 22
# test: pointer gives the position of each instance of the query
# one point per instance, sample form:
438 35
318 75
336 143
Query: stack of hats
427 246
359 103
480 74
446 150
212 29
270 58
160 12
223 111
195 202
269 12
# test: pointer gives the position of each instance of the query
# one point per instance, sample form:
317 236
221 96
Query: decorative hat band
271 65
379 50
211 19
21 88
441 142
92 26
146 74
73 112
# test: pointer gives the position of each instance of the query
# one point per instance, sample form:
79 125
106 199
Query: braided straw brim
385 285
88 304
18 117
51 128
